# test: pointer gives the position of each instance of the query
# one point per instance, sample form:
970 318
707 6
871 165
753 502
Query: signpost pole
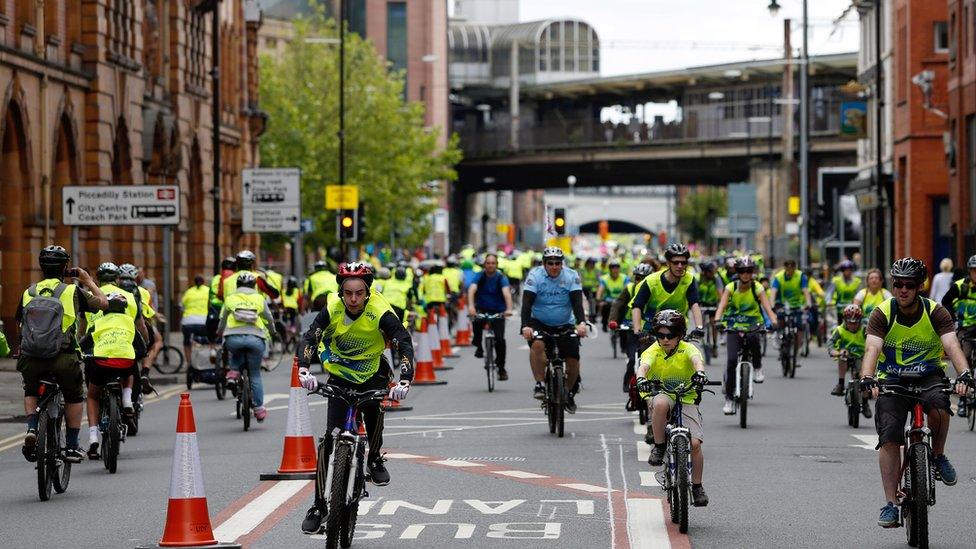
168 275
75 245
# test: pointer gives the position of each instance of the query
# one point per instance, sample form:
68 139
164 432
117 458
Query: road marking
608 489
404 456
591 488
647 530
519 474
275 396
638 428
648 479
540 421
432 427
643 451
868 442
254 513
457 463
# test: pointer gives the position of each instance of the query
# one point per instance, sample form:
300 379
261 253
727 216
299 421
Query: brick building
961 38
117 92
921 176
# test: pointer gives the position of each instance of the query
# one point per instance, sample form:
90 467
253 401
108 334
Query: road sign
121 205
308 225
272 200
341 197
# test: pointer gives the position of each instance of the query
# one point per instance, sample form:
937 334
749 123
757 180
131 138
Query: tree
698 211
388 152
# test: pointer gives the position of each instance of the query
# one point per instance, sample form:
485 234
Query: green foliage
698 210
388 152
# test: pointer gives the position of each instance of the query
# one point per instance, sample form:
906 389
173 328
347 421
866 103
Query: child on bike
673 361
848 339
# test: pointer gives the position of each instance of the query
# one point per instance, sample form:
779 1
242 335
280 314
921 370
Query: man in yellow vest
435 288
246 262
319 285
53 300
128 273
398 291
291 300
195 302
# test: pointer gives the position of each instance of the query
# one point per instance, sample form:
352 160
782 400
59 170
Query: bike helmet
745 264
553 252
676 249
246 280
53 256
228 263
452 261
670 318
853 313
847 264
383 273
908 267
971 264
245 260
642 269
707 267
400 273
292 281
320 266
128 271
355 270
117 303
108 272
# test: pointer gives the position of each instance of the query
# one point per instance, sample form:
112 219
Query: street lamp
571 181
773 8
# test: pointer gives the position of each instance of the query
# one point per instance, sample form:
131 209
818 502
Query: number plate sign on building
272 200
121 205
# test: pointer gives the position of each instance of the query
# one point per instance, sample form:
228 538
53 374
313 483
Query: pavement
477 469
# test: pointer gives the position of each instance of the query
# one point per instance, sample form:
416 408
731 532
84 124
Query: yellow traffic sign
794 205
341 197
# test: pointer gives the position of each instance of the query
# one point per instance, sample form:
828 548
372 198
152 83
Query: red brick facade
962 125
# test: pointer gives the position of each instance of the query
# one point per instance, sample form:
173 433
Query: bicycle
53 471
343 476
787 343
805 335
970 398
634 401
709 343
853 399
488 345
917 472
554 400
677 471
743 391
243 393
110 423
170 358
614 340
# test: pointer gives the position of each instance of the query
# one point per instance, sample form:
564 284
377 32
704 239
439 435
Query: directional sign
272 200
121 205
341 197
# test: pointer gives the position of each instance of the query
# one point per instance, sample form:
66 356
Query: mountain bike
554 400
488 344
677 455
110 423
52 469
787 342
343 476
743 391
918 473
853 399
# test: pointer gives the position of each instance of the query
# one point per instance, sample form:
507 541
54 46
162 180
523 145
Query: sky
650 35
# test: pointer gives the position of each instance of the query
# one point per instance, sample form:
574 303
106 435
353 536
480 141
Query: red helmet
355 270
853 313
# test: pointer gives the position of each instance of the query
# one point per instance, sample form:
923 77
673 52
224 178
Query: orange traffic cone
434 340
445 335
462 337
298 456
424 374
187 517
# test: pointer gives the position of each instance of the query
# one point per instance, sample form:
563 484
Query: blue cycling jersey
552 306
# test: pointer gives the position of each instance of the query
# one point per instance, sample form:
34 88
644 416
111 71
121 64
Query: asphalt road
481 470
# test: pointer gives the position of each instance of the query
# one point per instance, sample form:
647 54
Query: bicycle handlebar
486 316
349 396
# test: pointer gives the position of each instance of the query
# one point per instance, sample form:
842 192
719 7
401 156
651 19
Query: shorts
891 411
65 368
99 375
568 346
691 418
199 330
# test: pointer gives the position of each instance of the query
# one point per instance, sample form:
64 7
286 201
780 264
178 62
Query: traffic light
361 223
559 220
346 225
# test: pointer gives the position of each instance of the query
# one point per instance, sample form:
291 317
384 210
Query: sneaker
313 521
698 496
571 403
657 454
838 390
728 409
866 409
502 374
30 445
128 412
944 470
378 473
889 516
74 455
758 376
540 391
962 411
260 413
479 353
93 451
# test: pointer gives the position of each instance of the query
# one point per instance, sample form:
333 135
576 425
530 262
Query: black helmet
707 267
117 303
53 256
676 249
228 263
908 267
246 280
642 269
245 260
400 273
108 272
670 318
292 281
848 264
128 271
971 264
320 266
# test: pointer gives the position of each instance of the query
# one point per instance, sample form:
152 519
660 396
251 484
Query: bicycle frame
349 434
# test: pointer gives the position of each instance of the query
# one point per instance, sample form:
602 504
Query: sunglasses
665 335
744 271
554 263
685 262
906 285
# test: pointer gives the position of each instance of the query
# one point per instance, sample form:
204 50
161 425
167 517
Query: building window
196 54
941 37
355 16
970 163
121 17
396 37
953 38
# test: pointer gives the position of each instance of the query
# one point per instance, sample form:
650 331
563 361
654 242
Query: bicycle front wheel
917 521
560 396
41 449
490 362
679 485
550 401
972 412
61 472
743 394
169 360
111 439
337 495
245 401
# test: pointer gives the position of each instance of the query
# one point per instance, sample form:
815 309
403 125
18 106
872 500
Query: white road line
638 428
592 488
643 451
623 478
868 442
507 411
540 421
404 456
519 474
608 489
255 512
457 463
433 427
648 479
648 530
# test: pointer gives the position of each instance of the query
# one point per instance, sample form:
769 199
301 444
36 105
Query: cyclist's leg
477 333
733 342
188 332
373 412
537 355
891 412
94 391
569 349
660 409
235 355
604 315
691 418
936 405
254 351
70 376
754 342
498 326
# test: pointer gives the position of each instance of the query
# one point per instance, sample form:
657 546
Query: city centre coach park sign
121 205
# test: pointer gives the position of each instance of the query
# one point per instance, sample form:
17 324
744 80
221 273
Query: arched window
24 13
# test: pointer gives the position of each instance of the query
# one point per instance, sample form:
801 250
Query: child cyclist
848 338
673 361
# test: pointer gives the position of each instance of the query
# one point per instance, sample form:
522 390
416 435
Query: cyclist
590 280
819 298
349 335
398 291
710 289
195 302
319 285
552 298
906 339
216 303
128 273
672 362
792 288
844 287
745 302
874 294
245 263
291 300
246 325
672 288
111 349
513 271
33 364
848 337
434 287
611 286
960 301
491 293
618 314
